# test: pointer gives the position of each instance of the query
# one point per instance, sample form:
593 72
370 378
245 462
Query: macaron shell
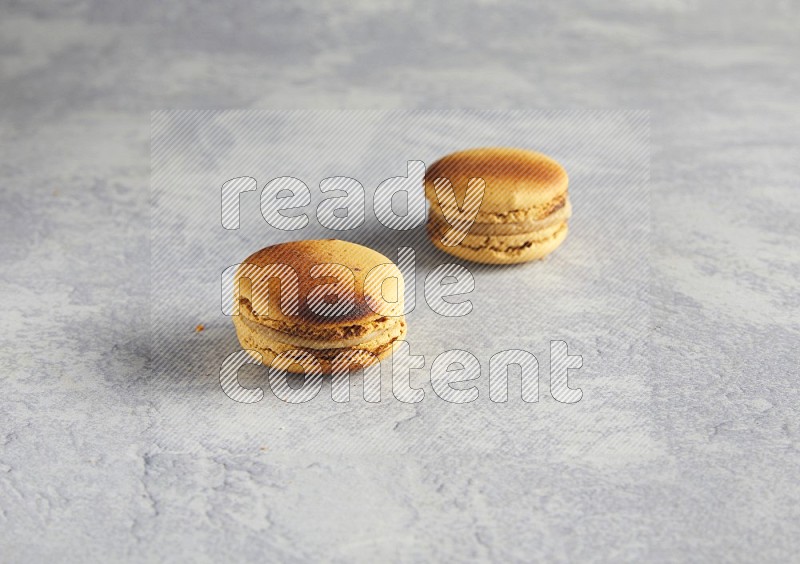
302 256
516 179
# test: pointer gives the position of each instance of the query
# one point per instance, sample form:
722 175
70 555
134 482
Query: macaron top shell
516 179
318 285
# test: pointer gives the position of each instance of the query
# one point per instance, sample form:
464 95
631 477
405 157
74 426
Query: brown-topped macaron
522 216
335 300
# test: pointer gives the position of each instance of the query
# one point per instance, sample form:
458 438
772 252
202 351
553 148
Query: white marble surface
97 464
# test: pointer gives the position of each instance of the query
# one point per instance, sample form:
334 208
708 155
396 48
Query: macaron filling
558 216
285 338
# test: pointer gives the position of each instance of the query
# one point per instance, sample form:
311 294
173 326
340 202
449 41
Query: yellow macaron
335 300
522 216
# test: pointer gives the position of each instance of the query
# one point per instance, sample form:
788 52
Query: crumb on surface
199 327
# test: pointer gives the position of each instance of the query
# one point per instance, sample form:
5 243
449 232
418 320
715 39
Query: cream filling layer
276 336
493 229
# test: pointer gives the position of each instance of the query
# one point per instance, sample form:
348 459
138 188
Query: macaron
336 301
522 216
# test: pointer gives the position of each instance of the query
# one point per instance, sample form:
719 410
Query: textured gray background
709 470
